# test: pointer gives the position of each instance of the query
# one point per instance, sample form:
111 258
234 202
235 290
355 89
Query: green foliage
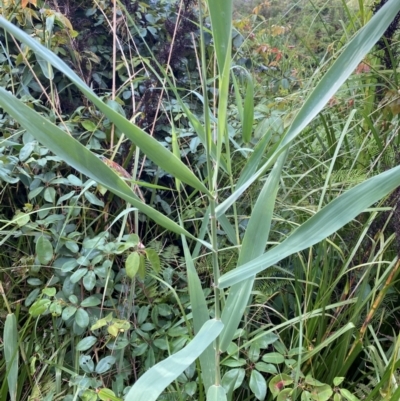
112 300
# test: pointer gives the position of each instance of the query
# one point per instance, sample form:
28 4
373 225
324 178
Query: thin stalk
3 294
212 198
374 308
114 63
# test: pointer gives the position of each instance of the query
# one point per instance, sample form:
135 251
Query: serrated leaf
153 258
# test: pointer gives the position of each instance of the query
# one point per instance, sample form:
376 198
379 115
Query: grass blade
148 145
160 376
79 157
324 223
248 111
221 11
342 68
200 316
253 245
11 354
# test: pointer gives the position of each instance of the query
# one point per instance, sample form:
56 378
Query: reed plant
264 167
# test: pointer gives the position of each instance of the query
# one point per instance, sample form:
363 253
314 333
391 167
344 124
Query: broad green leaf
44 250
254 352
341 69
200 315
337 381
82 318
21 219
10 342
258 385
322 393
76 276
26 151
105 364
324 223
93 199
266 367
106 394
338 397
254 242
155 380
49 291
266 340
79 157
273 357
89 125
132 264
286 394
232 380
216 393
148 145
277 383
39 307
68 312
347 395
190 388
86 363
86 343
89 280
49 195
91 301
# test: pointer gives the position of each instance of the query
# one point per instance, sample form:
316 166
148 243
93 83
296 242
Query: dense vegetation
199 200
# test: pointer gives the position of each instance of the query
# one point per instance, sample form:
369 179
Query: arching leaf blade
341 69
253 245
324 223
160 376
147 144
79 157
